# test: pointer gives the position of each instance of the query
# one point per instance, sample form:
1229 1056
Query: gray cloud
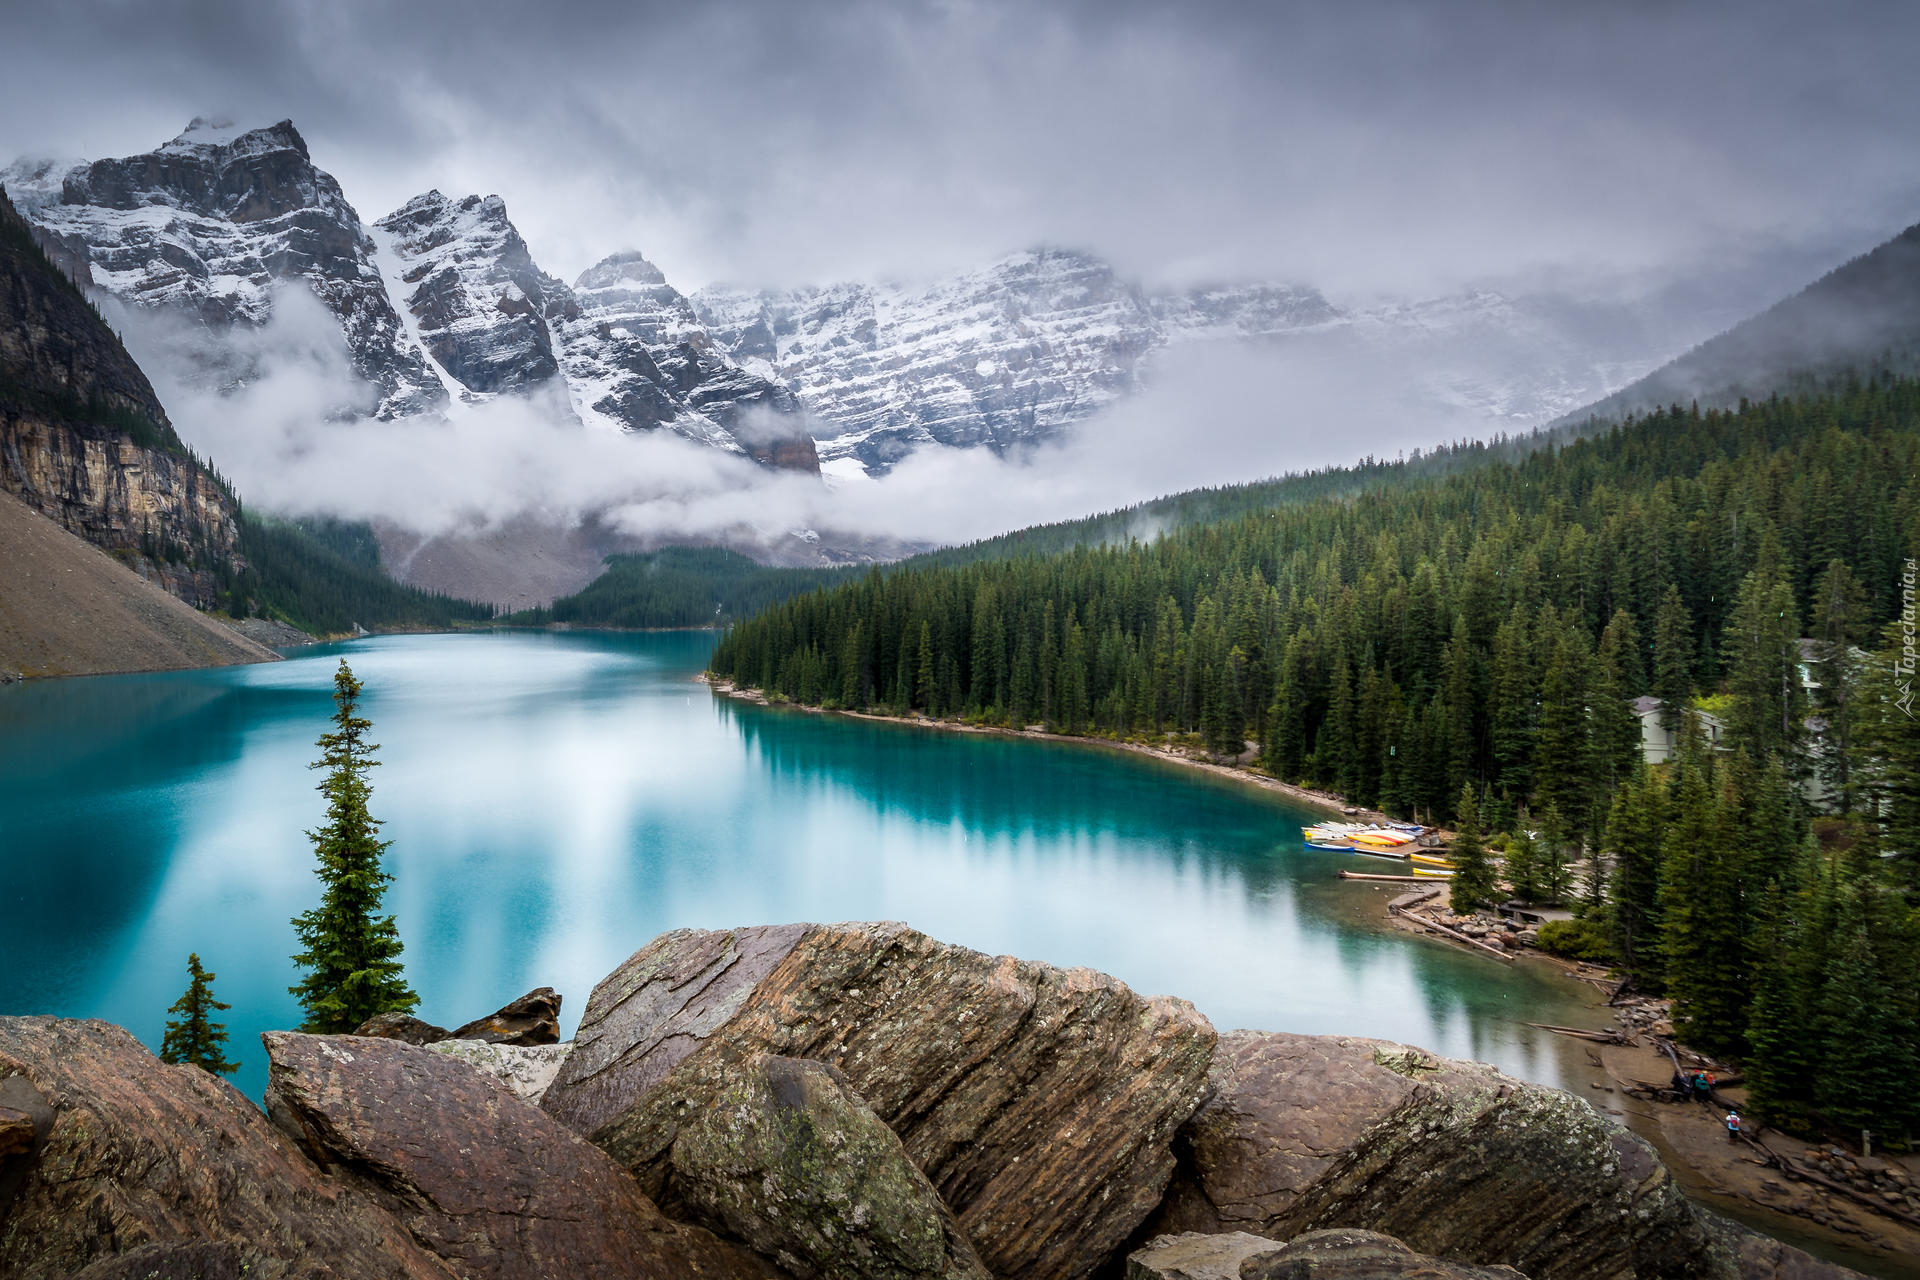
1400 146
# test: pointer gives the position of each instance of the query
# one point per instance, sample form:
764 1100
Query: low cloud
1212 414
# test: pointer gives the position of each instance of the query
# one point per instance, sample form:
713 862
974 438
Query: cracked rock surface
480 1178
1041 1103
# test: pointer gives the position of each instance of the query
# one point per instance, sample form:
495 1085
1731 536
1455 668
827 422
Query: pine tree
1523 863
350 952
1672 658
1634 826
1473 883
194 1039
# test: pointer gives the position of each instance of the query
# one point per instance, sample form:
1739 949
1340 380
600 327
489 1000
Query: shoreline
1303 795
1690 1139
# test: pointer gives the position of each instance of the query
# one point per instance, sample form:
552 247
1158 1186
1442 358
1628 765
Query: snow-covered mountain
208 226
440 303
1015 352
1000 356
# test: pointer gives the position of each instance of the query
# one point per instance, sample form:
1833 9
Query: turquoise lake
556 800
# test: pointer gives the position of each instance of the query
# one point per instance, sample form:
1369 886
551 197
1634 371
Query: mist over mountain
1861 318
425 372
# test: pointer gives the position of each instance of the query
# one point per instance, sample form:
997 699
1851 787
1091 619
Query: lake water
556 800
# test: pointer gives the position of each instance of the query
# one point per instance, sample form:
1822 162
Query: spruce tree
351 953
1672 658
1473 884
194 1039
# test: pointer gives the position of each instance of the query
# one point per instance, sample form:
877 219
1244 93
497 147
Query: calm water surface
556 800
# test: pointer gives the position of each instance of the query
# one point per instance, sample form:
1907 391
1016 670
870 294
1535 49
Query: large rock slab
533 1019
1195 1255
1318 1255
136 1168
1041 1103
1360 1255
1454 1158
784 1156
479 1177
528 1070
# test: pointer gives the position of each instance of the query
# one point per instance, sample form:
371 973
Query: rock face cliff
832 1101
84 440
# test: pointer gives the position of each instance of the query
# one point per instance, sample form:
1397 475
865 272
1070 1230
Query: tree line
1474 639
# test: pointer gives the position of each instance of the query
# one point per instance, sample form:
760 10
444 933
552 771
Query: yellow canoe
1431 860
1381 840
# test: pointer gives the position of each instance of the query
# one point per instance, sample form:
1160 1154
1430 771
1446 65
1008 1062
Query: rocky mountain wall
84 440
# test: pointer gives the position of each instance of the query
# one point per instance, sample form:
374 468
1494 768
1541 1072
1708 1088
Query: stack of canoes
1396 840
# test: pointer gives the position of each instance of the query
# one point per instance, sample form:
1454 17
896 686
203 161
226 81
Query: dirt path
1736 1179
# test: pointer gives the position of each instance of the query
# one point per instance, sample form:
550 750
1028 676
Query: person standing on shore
1733 1126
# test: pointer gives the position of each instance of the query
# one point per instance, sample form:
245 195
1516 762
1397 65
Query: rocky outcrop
999 1076
84 440
1360 1255
782 1155
480 1178
533 1019
1196 1255
1317 1255
135 1163
1458 1160
528 1070
639 357
401 1026
478 302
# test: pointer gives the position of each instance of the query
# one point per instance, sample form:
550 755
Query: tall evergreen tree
1473 885
350 952
194 1039
1673 653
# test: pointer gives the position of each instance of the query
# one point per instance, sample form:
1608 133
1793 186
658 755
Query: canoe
1438 873
1430 860
1323 844
1378 853
1382 841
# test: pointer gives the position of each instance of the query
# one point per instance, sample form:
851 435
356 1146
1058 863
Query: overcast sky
1405 147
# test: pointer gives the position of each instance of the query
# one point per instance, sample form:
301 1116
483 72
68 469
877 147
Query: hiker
1733 1126
1703 1089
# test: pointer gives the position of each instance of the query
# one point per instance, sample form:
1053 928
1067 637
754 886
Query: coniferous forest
1478 638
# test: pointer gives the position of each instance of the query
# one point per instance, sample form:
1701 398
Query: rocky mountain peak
474 294
628 267
208 227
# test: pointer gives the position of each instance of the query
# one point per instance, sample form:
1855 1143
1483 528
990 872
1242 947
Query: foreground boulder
478 1176
401 1026
528 1070
1195 1255
786 1158
1317 1255
136 1168
1040 1103
1454 1158
533 1019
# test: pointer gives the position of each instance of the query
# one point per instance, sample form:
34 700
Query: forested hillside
325 578
680 587
701 586
1473 640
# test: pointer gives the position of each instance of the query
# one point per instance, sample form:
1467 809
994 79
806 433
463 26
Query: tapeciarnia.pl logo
1904 661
